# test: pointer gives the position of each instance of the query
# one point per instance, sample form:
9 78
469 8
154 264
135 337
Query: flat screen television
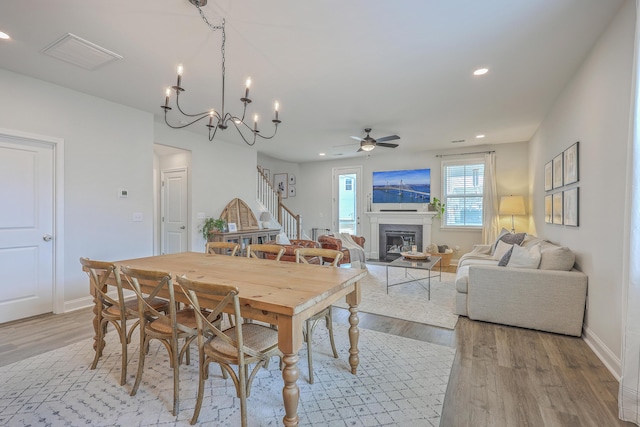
402 186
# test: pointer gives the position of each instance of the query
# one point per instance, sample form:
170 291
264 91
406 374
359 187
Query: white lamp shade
512 205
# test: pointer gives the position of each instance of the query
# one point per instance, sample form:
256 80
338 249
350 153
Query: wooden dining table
276 292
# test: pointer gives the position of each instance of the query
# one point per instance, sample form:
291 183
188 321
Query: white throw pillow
525 258
501 249
282 239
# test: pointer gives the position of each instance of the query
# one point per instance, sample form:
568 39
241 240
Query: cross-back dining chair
169 328
240 345
114 310
253 251
311 323
226 248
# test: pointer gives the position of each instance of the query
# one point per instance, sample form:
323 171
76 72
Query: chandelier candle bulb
246 91
255 123
211 113
167 95
276 107
180 71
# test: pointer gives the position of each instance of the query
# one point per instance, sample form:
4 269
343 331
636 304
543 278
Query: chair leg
176 376
308 337
329 321
203 373
124 341
144 344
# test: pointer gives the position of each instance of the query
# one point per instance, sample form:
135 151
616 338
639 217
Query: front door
26 228
174 211
347 206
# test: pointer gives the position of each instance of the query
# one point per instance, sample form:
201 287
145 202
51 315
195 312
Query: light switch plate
137 216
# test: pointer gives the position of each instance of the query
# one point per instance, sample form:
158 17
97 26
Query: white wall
110 146
315 192
594 109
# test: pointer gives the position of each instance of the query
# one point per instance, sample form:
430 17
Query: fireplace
421 220
397 238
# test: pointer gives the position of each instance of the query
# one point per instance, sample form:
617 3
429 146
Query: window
463 187
348 184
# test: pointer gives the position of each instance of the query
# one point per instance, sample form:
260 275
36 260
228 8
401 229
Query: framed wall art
571 207
557 208
571 164
548 176
292 191
232 227
281 184
557 172
292 179
548 209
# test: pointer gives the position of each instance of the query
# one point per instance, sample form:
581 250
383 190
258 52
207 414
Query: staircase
271 200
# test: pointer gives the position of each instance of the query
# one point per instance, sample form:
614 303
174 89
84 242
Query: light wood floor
501 376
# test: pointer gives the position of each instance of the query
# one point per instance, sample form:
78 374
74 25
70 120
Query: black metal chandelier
218 119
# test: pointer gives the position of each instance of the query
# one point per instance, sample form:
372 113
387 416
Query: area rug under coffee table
399 382
410 300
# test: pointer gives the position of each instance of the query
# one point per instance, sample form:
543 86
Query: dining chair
115 310
310 325
254 250
169 328
213 248
240 345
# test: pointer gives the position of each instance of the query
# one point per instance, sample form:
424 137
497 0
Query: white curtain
490 203
629 395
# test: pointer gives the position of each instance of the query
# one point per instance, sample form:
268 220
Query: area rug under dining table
399 382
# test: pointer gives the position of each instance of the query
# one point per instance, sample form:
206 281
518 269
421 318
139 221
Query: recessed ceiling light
4 36
480 71
480 136
323 154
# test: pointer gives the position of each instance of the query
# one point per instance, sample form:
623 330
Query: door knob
47 237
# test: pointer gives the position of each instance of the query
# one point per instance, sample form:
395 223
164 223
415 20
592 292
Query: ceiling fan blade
357 138
359 150
384 144
345 145
388 138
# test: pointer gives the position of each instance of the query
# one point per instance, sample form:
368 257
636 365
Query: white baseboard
77 304
610 360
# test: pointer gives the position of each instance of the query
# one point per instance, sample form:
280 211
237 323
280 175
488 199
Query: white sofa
549 298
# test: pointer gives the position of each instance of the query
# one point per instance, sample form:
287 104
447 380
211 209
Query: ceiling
335 66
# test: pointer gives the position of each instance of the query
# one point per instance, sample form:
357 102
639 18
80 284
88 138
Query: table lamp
265 218
512 205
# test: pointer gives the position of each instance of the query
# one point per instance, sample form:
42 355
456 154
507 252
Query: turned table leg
354 336
290 392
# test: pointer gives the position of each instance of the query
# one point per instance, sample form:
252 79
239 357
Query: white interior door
174 211
26 228
347 205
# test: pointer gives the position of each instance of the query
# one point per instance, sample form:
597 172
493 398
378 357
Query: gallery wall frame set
562 206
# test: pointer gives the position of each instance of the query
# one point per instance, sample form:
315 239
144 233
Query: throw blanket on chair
356 252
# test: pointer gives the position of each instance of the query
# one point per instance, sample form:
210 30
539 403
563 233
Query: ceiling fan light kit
218 119
367 143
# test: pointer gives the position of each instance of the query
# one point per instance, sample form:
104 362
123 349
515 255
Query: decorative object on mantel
239 213
222 118
211 224
512 205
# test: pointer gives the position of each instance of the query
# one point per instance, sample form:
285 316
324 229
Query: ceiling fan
367 143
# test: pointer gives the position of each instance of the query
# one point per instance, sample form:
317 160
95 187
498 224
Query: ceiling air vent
77 51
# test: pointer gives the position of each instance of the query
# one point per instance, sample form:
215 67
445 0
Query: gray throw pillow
513 239
505 258
557 258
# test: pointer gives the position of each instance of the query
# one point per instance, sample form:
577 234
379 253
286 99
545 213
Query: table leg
354 336
290 392
97 320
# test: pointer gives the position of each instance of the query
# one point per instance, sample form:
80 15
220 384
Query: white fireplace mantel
398 217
